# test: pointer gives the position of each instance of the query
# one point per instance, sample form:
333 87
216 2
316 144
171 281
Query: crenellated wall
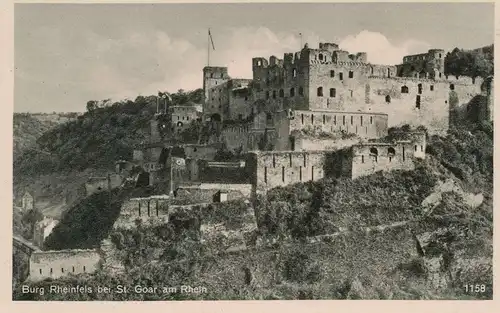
148 210
373 157
365 125
271 169
55 264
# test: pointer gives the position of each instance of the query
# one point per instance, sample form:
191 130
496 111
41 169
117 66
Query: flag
211 40
164 95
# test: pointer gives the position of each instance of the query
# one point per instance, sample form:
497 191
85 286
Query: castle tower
212 77
435 63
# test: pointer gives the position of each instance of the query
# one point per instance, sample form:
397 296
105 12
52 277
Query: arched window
301 91
292 92
374 154
274 94
391 152
452 87
320 92
404 89
388 99
333 92
294 72
282 93
320 57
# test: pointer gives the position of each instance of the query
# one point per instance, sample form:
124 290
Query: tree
91 105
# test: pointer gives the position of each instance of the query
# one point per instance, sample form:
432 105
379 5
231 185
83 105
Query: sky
68 54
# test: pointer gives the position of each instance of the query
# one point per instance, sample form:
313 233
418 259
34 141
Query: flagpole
208 47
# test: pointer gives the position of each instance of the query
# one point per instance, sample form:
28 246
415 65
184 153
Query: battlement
462 80
55 264
430 55
353 63
216 72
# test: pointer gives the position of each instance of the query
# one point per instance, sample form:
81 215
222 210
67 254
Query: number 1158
475 288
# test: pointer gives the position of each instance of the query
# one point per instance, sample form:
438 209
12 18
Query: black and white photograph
252 151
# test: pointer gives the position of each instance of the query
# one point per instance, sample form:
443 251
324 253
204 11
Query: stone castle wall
99 184
206 192
365 125
387 157
182 116
147 210
55 264
271 169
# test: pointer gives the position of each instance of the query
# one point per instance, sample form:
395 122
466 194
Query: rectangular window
361 120
300 173
283 173
312 172
324 119
62 270
432 87
332 73
351 74
40 271
362 159
371 119
304 160
84 268
312 118
73 269
265 175
343 120
352 119
333 92
302 116
335 119
148 209
274 160
341 76
290 156
139 208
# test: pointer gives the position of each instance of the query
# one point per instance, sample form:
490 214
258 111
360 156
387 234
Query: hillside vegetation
28 127
473 63
87 145
314 208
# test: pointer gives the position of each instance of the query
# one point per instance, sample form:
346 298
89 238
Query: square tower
212 77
